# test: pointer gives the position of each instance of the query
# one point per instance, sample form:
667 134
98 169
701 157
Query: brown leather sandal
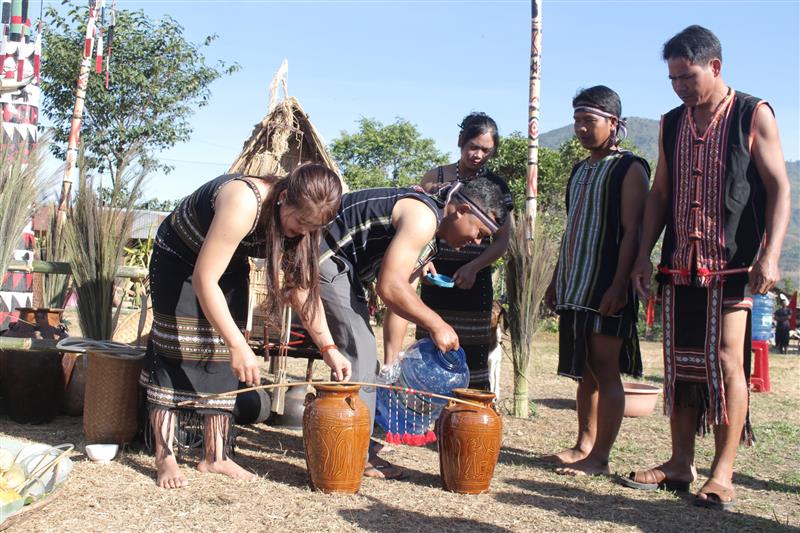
717 496
653 479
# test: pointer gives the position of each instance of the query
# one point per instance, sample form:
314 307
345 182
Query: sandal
653 479
717 496
382 469
385 471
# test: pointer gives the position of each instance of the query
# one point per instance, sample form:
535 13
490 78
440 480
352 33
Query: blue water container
763 308
422 368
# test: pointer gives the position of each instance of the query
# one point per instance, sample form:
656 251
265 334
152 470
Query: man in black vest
721 195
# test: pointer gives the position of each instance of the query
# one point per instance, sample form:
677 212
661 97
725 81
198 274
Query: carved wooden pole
77 114
533 118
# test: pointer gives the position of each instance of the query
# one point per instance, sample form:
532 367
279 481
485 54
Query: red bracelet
328 347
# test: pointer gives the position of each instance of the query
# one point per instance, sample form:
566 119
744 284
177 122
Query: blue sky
433 61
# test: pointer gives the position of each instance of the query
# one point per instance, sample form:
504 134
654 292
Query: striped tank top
590 246
362 230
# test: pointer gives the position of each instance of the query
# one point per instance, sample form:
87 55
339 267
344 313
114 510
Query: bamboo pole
57 267
532 190
31 345
189 403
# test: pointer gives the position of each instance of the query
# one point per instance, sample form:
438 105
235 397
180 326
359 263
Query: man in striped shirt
388 235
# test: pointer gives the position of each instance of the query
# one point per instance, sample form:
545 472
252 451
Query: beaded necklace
479 174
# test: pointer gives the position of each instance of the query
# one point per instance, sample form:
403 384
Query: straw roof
284 139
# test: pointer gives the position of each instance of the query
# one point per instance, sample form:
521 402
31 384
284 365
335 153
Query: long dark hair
316 191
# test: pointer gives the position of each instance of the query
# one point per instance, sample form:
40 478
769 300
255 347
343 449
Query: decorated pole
77 114
533 119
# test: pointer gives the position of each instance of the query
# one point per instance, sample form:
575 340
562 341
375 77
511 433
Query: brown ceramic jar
469 442
336 438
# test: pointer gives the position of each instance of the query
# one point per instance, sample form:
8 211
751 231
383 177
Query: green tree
555 166
384 156
157 80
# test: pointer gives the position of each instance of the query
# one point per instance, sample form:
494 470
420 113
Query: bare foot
226 467
168 473
568 456
588 466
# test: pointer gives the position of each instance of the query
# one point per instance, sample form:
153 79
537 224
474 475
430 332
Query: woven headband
623 125
455 194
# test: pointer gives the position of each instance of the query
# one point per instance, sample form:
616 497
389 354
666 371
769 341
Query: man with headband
388 235
591 289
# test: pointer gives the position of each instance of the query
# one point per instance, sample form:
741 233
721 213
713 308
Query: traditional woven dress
467 311
588 262
186 357
714 228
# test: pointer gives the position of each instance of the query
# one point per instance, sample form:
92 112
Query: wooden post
533 118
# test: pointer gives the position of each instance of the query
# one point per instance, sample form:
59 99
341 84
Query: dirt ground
526 494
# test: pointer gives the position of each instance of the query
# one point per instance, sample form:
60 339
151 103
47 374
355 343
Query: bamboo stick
30 345
58 267
189 403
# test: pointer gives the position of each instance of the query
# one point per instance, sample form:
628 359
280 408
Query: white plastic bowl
101 453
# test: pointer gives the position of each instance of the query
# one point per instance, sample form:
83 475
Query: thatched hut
281 141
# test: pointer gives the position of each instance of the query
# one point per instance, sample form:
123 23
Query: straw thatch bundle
21 184
529 268
281 141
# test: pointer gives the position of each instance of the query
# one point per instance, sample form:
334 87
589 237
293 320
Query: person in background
783 316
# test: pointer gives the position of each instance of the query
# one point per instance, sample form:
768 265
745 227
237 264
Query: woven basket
110 409
128 328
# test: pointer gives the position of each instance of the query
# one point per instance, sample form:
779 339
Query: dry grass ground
526 495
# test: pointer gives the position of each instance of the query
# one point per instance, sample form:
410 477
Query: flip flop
652 479
715 493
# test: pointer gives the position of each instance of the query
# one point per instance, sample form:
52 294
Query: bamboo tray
55 468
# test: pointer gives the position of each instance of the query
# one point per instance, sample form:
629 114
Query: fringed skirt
692 319
186 358
468 312
575 329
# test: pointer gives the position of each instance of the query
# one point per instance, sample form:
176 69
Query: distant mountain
643 135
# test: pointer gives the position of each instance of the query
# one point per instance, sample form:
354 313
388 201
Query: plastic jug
423 368
763 306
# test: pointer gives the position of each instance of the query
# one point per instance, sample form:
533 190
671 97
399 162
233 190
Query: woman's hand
464 277
341 368
244 365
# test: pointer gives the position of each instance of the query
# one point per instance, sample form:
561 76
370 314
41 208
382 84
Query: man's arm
768 156
655 210
634 189
464 277
415 226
